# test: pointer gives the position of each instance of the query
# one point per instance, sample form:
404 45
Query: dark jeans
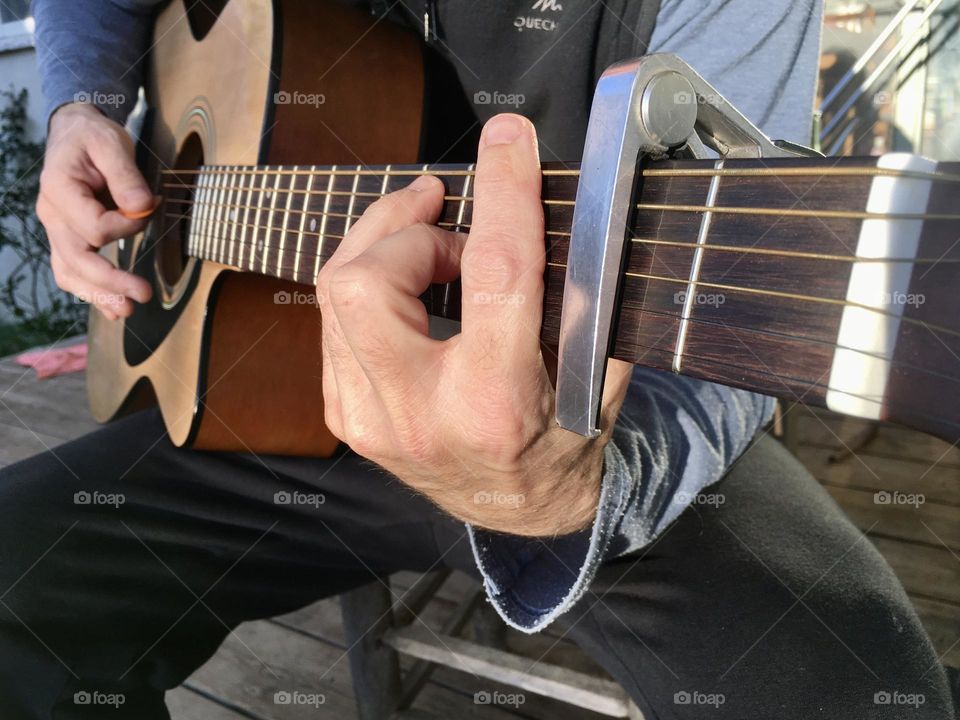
772 599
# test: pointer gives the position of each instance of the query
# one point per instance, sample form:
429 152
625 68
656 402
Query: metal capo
654 106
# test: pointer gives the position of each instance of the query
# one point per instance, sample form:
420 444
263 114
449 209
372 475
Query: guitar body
229 366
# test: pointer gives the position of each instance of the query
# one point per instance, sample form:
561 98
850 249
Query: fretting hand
467 421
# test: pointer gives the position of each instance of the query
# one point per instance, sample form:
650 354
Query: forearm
92 51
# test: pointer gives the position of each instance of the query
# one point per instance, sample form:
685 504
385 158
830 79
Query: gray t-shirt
675 435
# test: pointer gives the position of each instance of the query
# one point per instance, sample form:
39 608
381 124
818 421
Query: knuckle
490 264
360 439
354 284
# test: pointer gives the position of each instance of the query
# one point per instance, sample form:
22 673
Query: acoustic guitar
261 176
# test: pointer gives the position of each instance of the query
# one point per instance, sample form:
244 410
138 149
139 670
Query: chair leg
374 667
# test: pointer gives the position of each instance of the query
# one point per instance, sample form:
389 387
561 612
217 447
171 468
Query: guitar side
230 368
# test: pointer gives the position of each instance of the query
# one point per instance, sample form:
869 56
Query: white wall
18 69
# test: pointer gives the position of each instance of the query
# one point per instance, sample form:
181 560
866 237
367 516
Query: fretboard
751 273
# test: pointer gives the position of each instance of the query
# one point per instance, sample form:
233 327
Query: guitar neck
799 278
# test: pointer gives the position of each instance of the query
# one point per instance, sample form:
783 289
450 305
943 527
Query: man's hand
88 154
467 421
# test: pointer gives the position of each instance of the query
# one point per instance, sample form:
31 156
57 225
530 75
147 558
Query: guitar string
558 233
786 212
730 326
865 171
220 257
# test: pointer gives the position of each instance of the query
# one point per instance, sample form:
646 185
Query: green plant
28 293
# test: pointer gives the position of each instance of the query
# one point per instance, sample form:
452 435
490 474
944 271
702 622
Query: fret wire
211 212
233 233
218 220
286 218
207 197
196 225
353 199
386 179
813 170
193 218
323 223
274 193
303 222
695 264
256 207
246 216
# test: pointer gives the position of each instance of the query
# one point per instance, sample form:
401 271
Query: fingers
503 261
419 202
114 160
78 269
87 153
389 277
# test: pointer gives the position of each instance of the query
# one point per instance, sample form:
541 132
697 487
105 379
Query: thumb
127 186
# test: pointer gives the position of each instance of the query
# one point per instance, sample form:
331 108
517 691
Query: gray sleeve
675 436
93 51
761 56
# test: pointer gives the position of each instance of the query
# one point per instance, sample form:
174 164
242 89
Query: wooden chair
379 629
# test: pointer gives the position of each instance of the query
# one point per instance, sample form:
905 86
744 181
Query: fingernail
136 197
420 184
503 130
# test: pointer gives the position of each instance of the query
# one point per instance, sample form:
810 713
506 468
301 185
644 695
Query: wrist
73 110
559 499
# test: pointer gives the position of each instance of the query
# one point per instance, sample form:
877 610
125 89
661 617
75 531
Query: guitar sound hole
171 257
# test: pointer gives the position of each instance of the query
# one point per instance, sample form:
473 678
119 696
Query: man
763 594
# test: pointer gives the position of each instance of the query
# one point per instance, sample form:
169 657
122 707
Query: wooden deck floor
306 651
